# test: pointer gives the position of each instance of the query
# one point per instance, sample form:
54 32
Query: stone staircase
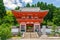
30 35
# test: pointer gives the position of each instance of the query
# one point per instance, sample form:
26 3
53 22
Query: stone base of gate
44 36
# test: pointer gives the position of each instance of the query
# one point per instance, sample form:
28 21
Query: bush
19 34
5 31
49 23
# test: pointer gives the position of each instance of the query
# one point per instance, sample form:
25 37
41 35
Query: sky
12 4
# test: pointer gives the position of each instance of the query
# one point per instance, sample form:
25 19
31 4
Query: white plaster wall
15 30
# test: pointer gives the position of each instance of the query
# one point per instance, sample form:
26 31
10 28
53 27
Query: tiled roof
30 9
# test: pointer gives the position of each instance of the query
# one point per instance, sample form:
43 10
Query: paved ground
40 39
34 36
36 39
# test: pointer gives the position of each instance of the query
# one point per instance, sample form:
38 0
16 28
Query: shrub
5 32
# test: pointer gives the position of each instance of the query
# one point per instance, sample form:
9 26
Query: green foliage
32 5
56 18
17 8
2 9
56 21
19 34
27 5
29 27
5 26
49 23
54 27
7 19
53 30
10 17
5 31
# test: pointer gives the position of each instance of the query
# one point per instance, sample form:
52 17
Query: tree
50 15
38 4
32 5
27 5
17 8
35 5
8 19
2 9
56 18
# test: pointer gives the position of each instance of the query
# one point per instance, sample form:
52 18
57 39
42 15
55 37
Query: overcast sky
12 4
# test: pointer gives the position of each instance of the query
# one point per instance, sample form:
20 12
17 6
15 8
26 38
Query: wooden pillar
37 25
25 27
34 27
21 26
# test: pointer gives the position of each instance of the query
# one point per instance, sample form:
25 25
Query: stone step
34 35
30 35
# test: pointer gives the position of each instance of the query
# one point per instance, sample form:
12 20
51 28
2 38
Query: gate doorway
29 28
